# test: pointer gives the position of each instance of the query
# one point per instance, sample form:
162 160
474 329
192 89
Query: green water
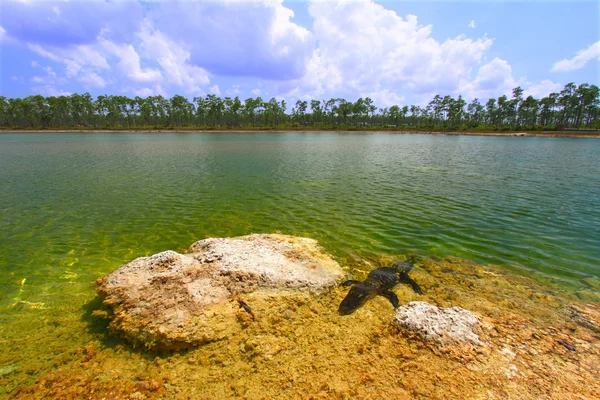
73 207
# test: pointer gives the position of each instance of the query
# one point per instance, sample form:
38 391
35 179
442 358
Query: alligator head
356 297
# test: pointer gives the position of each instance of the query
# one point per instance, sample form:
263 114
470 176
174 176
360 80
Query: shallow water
75 206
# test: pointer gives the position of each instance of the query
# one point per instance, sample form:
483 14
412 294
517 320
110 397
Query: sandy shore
555 134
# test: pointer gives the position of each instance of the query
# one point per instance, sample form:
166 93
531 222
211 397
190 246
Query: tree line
573 107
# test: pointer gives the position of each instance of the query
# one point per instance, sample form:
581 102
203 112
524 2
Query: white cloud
129 63
542 89
73 57
233 91
385 98
492 80
64 23
580 60
50 77
47 85
156 90
173 59
51 91
144 92
356 48
237 38
152 59
36 48
83 63
363 46
92 79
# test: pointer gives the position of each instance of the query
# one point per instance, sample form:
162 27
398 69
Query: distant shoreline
554 134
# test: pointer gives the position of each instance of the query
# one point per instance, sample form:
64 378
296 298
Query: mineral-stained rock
442 326
173 301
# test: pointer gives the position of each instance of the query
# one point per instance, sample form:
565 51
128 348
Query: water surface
75 206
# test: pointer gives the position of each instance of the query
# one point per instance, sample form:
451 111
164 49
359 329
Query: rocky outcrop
173 301
441 326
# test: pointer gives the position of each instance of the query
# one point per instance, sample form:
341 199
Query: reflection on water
76 206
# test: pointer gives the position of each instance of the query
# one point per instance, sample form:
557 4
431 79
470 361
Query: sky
395 52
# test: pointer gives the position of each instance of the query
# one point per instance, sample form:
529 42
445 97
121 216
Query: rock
592 281
7 369
588 295
174 301
442 326
585 315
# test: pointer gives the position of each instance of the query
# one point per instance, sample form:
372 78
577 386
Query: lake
75 206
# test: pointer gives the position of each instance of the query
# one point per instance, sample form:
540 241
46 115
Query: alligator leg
404 278
391 296
350 282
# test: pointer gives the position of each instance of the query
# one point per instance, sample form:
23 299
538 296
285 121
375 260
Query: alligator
379 282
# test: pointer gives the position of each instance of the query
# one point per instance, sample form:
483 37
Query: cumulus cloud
129 63
238 38
542 89
59 22
92 79
151 59
73 57
493 79
49 90
355 48
175 44
363 46
472 24
156 90
580 60
173 59
385 98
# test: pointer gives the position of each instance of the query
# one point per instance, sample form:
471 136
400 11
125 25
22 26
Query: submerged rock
587 315
443 326
173 301
7 369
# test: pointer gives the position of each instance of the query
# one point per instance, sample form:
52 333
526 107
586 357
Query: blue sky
396 52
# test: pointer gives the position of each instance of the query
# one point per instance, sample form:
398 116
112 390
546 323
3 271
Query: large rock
442 326
173 301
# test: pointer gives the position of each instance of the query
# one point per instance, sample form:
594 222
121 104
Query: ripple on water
116 196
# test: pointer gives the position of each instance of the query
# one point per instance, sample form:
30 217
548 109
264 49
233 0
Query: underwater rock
442 326
585 315
592 281
174 301
7 369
